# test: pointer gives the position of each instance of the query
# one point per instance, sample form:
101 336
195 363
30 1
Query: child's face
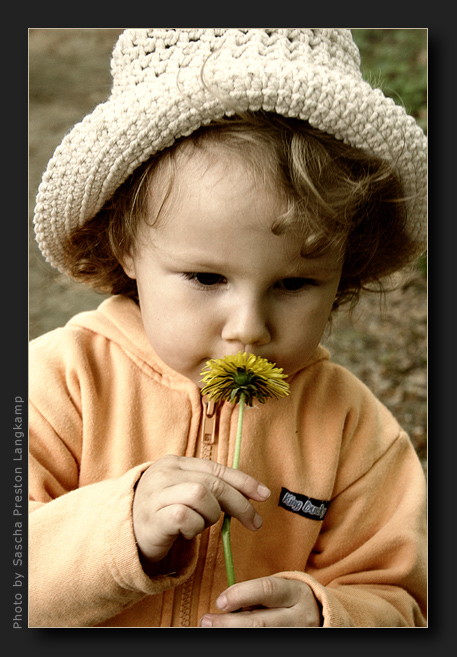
213 279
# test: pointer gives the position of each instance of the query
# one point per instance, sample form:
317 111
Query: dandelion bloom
244 374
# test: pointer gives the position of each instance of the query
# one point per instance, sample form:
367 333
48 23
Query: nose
248 324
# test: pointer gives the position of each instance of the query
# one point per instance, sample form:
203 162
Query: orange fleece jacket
103 407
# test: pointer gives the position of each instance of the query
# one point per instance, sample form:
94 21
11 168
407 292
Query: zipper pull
209 420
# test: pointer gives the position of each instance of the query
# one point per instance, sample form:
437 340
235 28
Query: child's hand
266 602
181 495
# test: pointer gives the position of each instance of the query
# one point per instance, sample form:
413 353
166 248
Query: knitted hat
169 82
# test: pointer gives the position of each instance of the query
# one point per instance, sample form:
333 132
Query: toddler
234 190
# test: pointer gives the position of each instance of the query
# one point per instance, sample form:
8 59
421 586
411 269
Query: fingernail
206 622
257 521
221 602
263 491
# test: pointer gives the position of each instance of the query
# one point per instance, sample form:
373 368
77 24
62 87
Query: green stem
225 531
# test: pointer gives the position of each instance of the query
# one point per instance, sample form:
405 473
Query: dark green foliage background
395 60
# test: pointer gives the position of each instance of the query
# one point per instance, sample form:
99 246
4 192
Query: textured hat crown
143 54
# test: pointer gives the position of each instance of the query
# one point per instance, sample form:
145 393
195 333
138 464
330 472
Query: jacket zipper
207 438
208 427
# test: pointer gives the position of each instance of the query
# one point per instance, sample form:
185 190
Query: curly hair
337 196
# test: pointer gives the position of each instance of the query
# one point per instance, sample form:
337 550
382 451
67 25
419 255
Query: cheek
313 315
168 328
175 330
305 327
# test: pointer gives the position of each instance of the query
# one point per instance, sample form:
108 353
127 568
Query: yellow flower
246 375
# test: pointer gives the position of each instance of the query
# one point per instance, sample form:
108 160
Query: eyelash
194 277
218 279
303 283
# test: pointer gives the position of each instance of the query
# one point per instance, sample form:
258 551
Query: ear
128 265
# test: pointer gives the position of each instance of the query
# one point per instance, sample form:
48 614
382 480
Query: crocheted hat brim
99 154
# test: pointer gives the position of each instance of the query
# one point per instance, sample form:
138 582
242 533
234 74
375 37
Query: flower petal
222 379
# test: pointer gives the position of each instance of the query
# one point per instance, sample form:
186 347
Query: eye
295 284
205 279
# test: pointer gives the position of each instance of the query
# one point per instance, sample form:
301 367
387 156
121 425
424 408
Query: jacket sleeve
368 566
83 560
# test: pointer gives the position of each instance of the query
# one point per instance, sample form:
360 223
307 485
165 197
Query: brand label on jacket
308 507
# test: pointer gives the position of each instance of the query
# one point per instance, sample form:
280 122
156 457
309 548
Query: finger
252 619
180 519
235 503
194 495
265 591
244 483
169 523
216 479
209 496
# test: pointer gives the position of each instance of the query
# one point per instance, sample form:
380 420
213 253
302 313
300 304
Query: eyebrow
191 261
324 262
310 270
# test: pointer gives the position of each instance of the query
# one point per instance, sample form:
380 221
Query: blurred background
384 341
